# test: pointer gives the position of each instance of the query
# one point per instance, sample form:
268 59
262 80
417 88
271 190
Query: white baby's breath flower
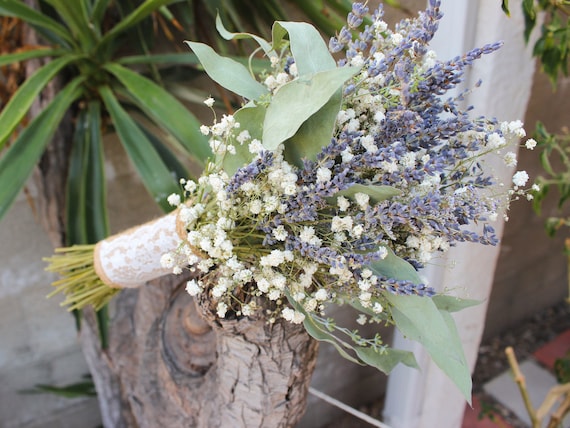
173 199
520 178
323 175
343 203
190 186
510 159
530 144
255 146
362 200
209 102
280 233
377 308
292 316
495 141
193 287
361 319
221 309
167 261
205 130
321 294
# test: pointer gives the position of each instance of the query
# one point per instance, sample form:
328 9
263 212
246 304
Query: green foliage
552 46
555 162
84 39
562 369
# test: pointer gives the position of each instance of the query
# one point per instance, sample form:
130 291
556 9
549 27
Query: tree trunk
175 365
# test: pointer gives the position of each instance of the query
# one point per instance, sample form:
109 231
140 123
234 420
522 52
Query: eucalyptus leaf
387 359
229 73
395 267
318 332
264 44
419 319
452 303
249 117
314 134
298 100
307 47
377 193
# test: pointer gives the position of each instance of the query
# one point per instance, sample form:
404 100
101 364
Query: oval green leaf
298 100
229 73
419 319
307 47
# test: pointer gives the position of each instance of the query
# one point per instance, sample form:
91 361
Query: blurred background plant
551 49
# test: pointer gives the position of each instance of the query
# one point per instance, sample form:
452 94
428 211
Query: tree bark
175 365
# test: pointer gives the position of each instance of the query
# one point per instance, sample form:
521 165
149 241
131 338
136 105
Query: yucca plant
97 82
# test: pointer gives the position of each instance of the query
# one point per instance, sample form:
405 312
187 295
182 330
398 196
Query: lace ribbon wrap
131 258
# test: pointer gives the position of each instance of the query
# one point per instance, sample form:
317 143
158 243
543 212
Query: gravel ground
524 338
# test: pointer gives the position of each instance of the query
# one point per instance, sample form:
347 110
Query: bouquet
343 173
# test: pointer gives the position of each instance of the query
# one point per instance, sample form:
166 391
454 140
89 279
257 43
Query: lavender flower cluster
403 178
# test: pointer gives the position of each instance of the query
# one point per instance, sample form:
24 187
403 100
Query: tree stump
171 363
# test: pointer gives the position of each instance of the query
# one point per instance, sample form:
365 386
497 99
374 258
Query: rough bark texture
168 365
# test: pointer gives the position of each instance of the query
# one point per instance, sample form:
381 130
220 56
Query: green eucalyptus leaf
298 100
249 117
318 332
19 160
155 175
377 193
315 133
22 100
395 267
419 319
452 303
307 47
264 44
229 73
165 110
387 359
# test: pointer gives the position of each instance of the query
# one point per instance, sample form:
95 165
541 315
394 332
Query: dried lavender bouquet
334 184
